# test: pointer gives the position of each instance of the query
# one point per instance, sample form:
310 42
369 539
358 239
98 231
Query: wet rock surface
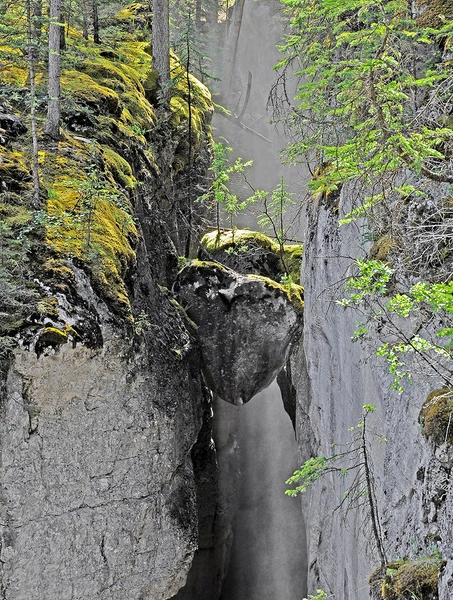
245 325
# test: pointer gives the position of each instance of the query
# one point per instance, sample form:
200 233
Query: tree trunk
161 41
198 14
63 18
96 38
231 48
84 19
212 13
34 135
52 126
37 21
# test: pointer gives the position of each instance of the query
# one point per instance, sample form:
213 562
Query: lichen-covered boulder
246 325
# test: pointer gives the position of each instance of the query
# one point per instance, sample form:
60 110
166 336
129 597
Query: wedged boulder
246 325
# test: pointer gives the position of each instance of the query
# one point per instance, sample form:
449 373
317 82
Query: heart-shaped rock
246 326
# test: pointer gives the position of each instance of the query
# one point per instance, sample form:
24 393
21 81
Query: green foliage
219 194
367 69
320 595
272 219
341 463
369 291
353 462
141 323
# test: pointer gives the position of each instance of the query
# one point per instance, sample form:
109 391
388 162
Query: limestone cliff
335 377
104 419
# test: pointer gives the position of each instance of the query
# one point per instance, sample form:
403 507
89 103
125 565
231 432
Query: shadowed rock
246 325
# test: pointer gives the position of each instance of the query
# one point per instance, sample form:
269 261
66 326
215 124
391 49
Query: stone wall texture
335 377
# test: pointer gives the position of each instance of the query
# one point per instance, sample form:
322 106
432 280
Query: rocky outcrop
98 492
334 378
245 326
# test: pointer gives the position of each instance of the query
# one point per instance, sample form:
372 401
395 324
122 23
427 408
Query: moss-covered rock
119 168
83 88
380 249
253 252
409 579
15 175
436 416
246 326
87 220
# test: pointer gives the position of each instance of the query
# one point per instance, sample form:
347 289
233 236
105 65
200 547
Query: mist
256 442
268 559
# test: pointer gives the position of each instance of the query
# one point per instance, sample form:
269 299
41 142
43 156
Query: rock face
245 327
334 378
98 491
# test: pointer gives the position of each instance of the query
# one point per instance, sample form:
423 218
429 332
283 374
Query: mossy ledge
436 416
93 177
252 246
407 579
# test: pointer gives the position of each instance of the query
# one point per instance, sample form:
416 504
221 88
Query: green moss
381 249
230 238
129 11
116 73
294 292
85 89
48 307
110 255
119 168
409 579
436 416
14 172
201 102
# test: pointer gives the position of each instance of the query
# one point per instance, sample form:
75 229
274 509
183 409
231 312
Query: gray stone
245 326
334 378
97 489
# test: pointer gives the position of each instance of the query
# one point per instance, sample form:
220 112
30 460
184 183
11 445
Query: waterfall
268 560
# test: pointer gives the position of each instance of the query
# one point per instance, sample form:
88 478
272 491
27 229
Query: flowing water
268 553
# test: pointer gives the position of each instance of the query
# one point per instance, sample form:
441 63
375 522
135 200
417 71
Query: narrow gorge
175 342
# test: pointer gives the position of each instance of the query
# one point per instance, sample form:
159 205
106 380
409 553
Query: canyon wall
335 377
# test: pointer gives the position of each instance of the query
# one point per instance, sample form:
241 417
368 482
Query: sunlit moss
85 89
108 254
289 255
14 171
119 168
